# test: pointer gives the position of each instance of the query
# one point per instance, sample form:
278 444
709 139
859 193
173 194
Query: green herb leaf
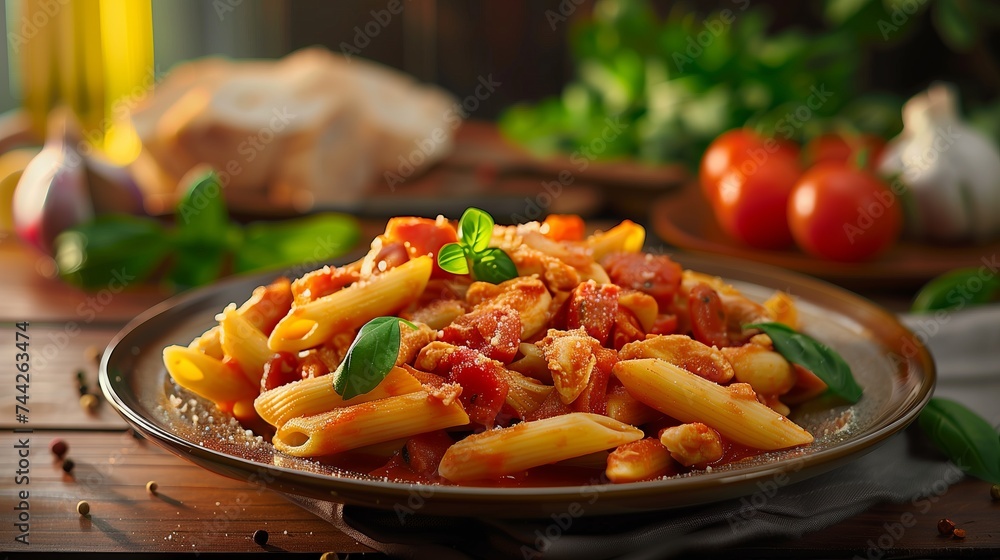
201 214
111 248
475 229
489 264
954 290
966 438
493 265
316 239
813 355
452 258
370 358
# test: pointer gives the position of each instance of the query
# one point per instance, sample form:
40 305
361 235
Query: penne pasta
368 423
733 411
626 237
311 324
530 444
244 343
622 406
207 376
525 394
314 396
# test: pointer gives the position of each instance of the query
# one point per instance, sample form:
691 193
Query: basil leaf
813 355
452 258
111 248
493 265
314 239
475 229
954 290
201 214
966 438
370 358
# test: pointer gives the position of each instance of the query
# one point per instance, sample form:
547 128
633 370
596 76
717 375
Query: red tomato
484 387
842 213
594 308
838 149
496 333
752 200
280 369
656 275
730 150
563 227
708 317
422 236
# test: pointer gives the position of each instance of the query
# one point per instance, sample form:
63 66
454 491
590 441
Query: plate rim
455 497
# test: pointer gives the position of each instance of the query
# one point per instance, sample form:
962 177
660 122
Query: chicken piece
682 351
692 444
525 295
411 341
571 358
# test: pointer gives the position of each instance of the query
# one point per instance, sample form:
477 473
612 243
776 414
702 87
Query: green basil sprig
813 355
489 264
201 245
370 357
966 438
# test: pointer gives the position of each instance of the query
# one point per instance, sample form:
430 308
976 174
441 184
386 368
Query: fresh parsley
370 358
488 264
813 355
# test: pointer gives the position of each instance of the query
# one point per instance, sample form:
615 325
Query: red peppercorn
58 447
946 526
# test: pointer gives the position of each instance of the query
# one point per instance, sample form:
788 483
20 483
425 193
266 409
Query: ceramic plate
895 371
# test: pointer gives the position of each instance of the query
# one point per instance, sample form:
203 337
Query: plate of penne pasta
517 370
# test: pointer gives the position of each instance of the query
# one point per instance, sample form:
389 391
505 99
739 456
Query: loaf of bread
312 129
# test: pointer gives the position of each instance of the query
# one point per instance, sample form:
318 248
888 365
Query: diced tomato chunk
280 370
664 324
423 236
594 397
594 308
656 275
423 452
627 329
563 227
494 332
322 282
708 317
392 254
484 388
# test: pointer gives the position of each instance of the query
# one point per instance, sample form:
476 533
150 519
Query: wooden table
198 511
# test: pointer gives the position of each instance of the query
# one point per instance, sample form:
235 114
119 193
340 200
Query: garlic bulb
951 171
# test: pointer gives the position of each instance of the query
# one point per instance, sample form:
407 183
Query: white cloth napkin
966 348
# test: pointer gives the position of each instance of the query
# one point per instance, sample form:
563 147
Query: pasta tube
530 444
626 237
207 376
313 396
312 324
343 429
733 411
243 342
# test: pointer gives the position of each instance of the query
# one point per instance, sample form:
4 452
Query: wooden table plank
56 355
194 511
28 294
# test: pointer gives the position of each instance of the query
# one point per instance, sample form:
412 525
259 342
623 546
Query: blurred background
606 109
